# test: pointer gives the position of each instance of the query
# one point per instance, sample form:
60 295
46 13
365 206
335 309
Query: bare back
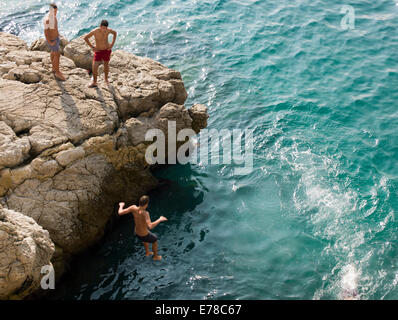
101 38
141 227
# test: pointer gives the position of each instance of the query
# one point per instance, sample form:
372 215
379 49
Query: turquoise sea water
318 210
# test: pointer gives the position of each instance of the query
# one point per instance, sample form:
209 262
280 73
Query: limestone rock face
25 248
9 42
78 51
14 150
198 113
69 153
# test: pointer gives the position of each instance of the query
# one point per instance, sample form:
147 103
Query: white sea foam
332 209
349 282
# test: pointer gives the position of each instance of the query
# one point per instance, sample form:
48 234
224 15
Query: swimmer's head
144 201
104 24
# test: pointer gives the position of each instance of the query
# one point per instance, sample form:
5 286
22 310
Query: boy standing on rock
102 49
53 41
143 222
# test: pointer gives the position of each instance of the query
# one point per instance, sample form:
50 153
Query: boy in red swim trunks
102 49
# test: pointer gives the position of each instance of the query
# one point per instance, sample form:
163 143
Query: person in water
52 40
102 49
143 224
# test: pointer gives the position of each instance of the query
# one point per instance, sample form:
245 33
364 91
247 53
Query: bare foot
92 85
107 82
157 258
59 76
149 253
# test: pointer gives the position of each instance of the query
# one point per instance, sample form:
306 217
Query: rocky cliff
69 153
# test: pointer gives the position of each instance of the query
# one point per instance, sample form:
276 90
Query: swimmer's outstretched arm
150 224
127 210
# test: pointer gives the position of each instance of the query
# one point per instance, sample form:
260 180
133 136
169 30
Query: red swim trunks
102 55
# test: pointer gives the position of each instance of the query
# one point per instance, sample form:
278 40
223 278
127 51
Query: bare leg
95 74
147 252
58 73
52 56
106 71
155 251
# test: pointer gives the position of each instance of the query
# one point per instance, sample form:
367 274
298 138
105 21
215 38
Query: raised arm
150 224
87 37
114 33
123 211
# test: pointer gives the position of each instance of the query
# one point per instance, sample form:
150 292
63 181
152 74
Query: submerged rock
69 153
